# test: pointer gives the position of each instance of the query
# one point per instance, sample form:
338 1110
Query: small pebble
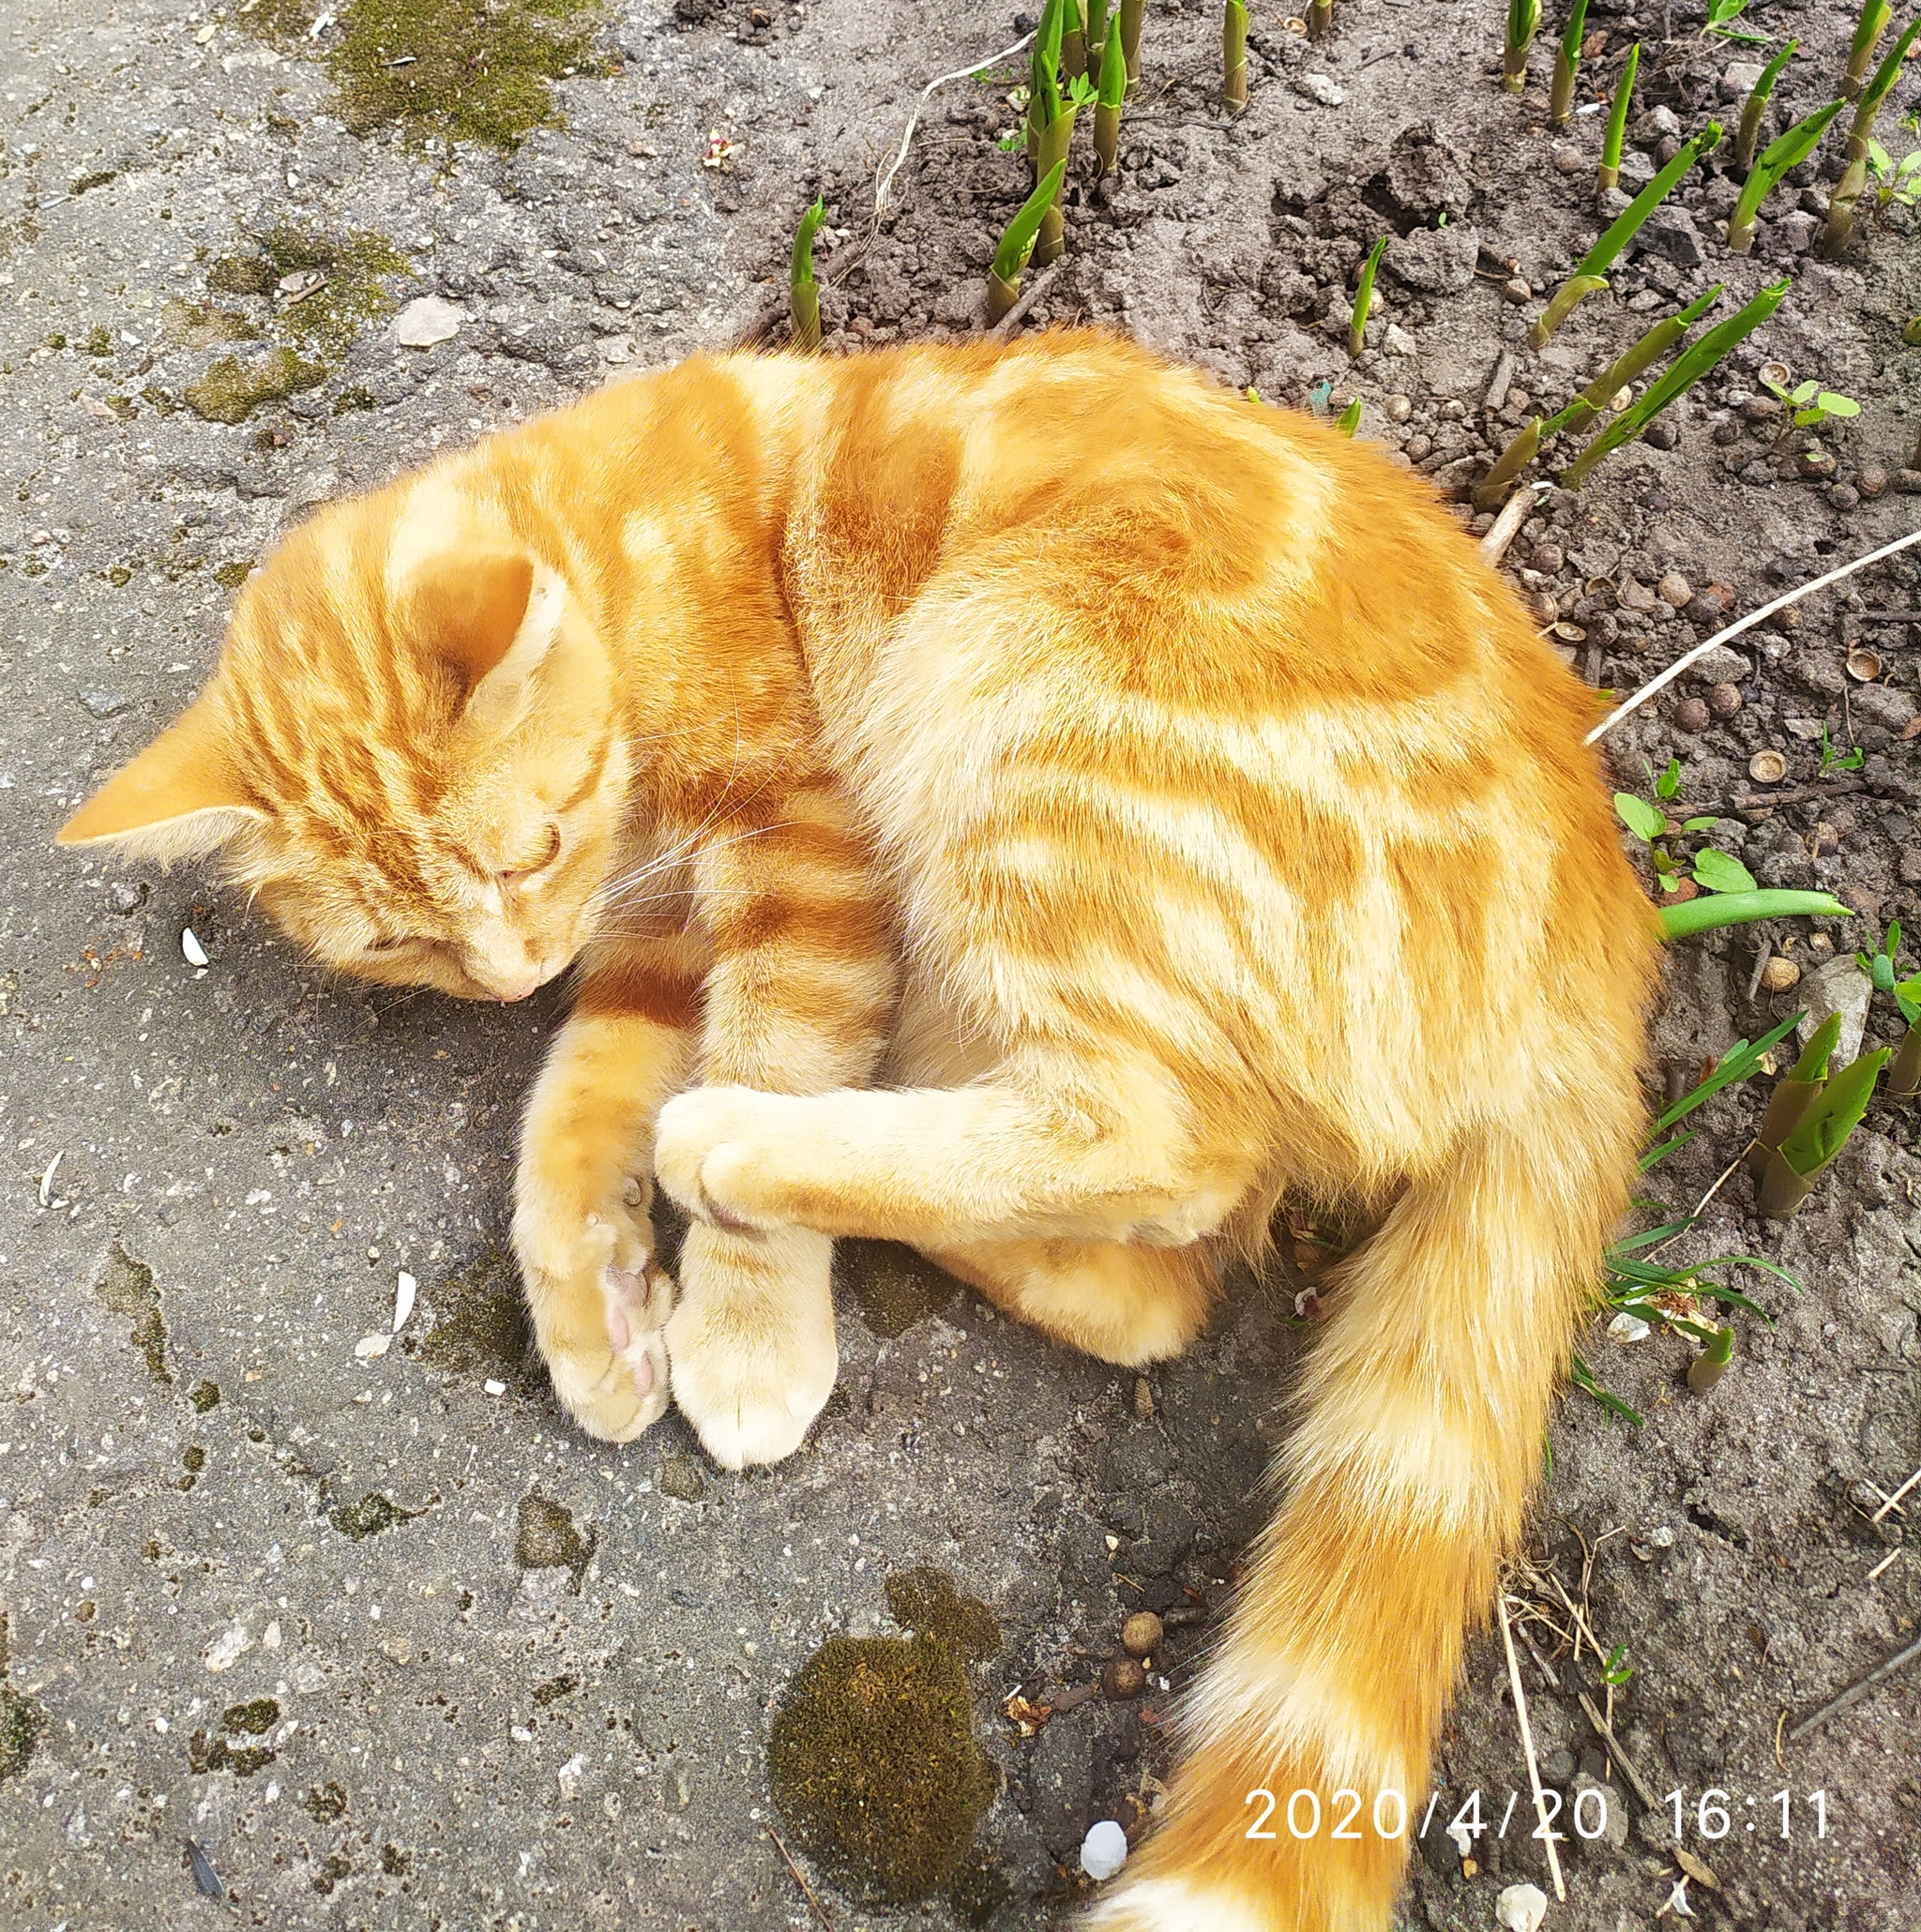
1570 161
1141 1634
1104 1851
1400 408
1871 482
1844 496
1692 715
1521 1908
1517 291
1661 434
1817 463
1724 701
1675 591
1907 482
1123 1678
1779 974
1548 559
105 704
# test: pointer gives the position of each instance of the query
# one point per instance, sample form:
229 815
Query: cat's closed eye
549 850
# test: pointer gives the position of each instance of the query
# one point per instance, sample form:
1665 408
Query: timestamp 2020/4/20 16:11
1715 1815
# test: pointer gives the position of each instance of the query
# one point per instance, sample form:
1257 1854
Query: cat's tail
1424 1411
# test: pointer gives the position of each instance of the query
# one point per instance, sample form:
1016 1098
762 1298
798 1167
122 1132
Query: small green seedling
1818 1136
1714 870
1809 405
1868 28
1617 1669
1130 36
1108 99
1904 1071
1724 18
1755 109
1589 273
1017 245
803 294
1233 56
1044 79
1835 760
1714 910
1792 1094
1687 369
1349 420
1567 68
1897 183
1523 23
1363 300
1609 176
1785 151
1846 194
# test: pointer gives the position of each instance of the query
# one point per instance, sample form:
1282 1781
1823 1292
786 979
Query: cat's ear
174 801
492 615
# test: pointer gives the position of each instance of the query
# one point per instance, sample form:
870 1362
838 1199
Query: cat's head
409 754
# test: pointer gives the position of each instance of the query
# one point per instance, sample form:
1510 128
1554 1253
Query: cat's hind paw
715 1153
752 1340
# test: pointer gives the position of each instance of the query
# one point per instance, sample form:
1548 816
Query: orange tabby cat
1024 802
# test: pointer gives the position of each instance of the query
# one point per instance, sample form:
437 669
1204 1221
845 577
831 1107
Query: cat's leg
798 1000
1125 1304
1064 1148
581 1233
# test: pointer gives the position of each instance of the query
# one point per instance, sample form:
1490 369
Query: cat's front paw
599 1305
752 1340
716 1152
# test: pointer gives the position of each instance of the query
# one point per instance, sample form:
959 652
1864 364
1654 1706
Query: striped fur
1028 803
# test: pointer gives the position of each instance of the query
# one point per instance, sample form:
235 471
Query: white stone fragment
228 1648
190 949
1627 1328
1521 1909
427 321
404 1286
370 1346
1104 1851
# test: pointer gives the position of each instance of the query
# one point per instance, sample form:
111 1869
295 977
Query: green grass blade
1617 118
802 265
1716 908
1739 1063
1600 258
1017 244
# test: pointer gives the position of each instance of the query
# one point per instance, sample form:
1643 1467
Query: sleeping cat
1031 804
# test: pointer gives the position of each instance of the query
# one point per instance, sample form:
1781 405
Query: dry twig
1527 1745
1860 1688
820 1911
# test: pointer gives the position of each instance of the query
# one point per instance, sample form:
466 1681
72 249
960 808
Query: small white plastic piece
190 949
1104 1851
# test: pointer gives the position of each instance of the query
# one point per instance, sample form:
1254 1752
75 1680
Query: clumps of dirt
926 1602
229 391
467 70
376 1512
547 1539
481 1324
892 1285
127 1289
875 1763
22 1723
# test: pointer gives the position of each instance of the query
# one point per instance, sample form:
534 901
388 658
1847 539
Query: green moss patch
200 325
206 1753
353 294
230 393
481 1324
892 1285
254 1719
127 1289
326 1802
374 1512
875 1763
470 69
926 1602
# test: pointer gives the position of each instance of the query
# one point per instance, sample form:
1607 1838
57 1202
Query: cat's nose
518 989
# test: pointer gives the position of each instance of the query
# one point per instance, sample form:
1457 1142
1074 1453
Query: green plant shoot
1594 266
1755 108
1363 300
1687 369
1840 214
1567 68
1130 36
1785 151
1708 1367
1724 19
1609 176
1793 1093
1113 91
1017 245
1523 23
1667 334
1868 28
1073 40
1491 492
1713 910
1233 56
1820 1133
1349 419
804 295
1320 18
